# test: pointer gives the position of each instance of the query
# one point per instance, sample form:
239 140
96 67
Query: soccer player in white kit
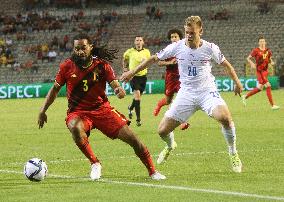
197 88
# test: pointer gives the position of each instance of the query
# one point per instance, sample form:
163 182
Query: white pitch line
126 157
172 187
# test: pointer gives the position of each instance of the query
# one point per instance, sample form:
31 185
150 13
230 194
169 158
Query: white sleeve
167 52
217 54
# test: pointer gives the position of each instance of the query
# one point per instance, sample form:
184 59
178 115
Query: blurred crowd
22 25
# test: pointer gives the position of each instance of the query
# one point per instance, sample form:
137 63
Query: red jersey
172 68
172 83
262 58
85 87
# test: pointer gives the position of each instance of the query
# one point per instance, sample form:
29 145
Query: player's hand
120 92
238 89
42 118
253 66
173 61
126 76
272 63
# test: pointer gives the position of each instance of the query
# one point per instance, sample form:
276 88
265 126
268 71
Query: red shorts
262 77
172 83
105 118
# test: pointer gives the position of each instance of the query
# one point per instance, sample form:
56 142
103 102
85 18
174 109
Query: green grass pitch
198 170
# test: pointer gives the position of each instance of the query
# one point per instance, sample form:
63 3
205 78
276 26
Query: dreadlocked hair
104 53
101 52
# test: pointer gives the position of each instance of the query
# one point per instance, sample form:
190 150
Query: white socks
169 139
230 137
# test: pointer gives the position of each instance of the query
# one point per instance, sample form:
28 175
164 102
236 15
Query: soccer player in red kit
172 84
262 56
85 75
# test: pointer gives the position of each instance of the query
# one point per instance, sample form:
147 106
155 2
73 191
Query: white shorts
187 103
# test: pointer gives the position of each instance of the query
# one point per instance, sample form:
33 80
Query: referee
131 59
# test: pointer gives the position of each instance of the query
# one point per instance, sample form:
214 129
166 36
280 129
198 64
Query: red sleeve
109 73
253 52
60 76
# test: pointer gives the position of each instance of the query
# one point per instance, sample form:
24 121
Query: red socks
145 156
86 149
162 102
269 95
252 92
146 159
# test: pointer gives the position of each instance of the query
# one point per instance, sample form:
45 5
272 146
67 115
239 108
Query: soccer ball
35 169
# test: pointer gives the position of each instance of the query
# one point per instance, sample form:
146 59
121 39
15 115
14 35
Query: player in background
132 57
172 83
262 57
197 89
85 75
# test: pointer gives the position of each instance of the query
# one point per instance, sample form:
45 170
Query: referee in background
132 57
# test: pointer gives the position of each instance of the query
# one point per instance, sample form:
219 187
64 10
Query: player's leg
77 127
268 90
269 96
166 128
222 114
268 93
180 110
114 125
126 135
139 89
130 108
213 104
132 105
164 101
256 89
137 101
171 87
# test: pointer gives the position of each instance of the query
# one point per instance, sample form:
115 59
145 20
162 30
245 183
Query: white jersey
194 64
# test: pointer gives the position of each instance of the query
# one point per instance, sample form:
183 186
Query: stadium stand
234 25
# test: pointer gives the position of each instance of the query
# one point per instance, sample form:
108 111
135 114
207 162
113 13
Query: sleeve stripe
57 83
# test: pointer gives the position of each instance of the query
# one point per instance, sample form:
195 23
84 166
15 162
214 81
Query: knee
267 85
226 122
162 130
76 130
260 87
225 119
127 136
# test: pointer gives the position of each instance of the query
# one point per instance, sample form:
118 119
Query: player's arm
52 94
165 63
125 64
125 61
126 76
231 71
271 62
251 63
118 90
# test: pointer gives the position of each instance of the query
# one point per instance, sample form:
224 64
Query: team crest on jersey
96 76
73 76
264 55
97 72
